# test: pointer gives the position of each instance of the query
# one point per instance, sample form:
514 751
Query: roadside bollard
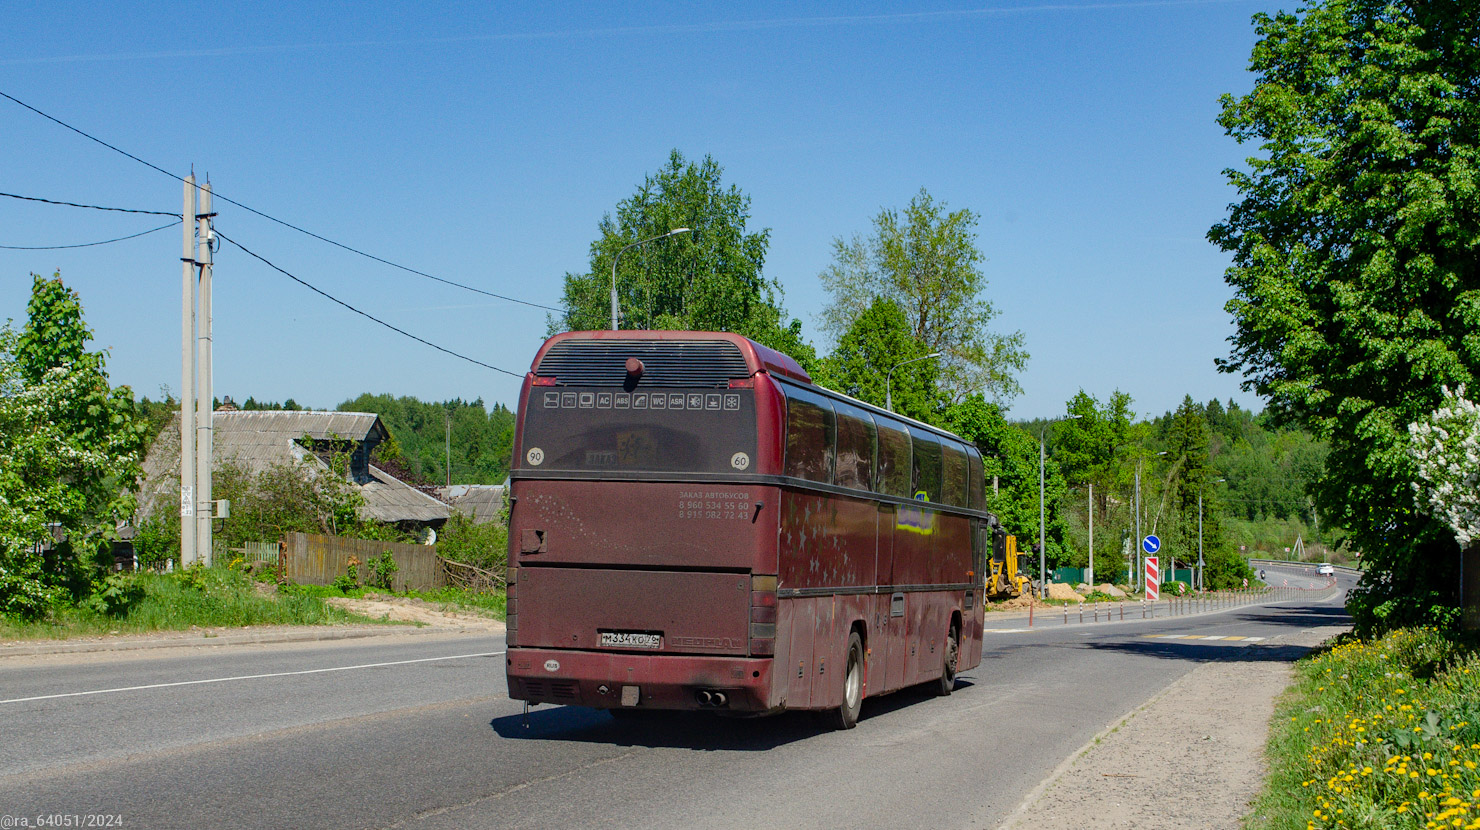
1081 613
1122 610
1066 615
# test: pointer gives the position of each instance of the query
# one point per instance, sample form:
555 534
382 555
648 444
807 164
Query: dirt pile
1110 590
1061 590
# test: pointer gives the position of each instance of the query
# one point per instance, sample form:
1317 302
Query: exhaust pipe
718 699
705 698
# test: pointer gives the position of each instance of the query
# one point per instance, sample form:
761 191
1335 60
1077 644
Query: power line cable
90 207
370 317
86 244
285 224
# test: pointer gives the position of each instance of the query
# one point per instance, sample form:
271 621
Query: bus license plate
631 639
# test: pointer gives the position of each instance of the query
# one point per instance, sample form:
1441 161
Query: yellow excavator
1008 568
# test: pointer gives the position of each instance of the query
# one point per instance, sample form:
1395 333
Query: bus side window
894 460
975 480
811 435
926 478
856 436
953 474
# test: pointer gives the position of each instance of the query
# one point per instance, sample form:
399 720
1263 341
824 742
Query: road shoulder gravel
1191 757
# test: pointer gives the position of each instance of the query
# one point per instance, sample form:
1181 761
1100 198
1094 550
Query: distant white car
1326 569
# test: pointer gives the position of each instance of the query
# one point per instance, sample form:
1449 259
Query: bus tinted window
894 460
953 474
856 435
600 429
811 434
926 470
975 480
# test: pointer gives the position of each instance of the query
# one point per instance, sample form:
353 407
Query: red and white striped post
1153 578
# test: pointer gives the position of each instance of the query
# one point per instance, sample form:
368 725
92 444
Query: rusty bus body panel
679 536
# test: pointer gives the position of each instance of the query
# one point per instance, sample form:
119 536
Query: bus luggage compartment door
621 610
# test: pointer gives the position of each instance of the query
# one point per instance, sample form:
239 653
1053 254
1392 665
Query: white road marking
1003 630
248 677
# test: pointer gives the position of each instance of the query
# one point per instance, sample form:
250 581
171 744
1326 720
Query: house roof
389 499
482 502
260 440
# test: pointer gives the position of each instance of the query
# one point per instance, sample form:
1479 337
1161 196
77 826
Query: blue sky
484 142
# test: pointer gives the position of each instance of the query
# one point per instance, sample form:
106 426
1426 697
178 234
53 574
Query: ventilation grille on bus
701 363
556 689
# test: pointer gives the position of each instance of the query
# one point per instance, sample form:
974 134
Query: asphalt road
418 731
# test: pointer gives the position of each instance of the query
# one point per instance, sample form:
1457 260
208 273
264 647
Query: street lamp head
618 258
889 377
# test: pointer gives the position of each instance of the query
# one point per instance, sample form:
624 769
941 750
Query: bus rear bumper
608 680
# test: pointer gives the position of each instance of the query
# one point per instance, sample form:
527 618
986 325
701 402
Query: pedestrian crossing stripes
1203 637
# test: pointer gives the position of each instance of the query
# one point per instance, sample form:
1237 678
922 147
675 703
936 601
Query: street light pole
889 378
618 258
1201 585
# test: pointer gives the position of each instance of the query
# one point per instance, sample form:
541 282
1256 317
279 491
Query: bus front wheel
846 715
952 658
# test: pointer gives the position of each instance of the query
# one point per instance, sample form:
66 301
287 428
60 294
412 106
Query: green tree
1010 458
70 447
706 280
1089 446
925 259
481 439
1355 276
878 341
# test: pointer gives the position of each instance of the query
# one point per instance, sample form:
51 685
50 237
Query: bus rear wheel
952 659
846 715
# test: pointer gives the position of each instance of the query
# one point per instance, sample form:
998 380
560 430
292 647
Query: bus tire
846 715
952 659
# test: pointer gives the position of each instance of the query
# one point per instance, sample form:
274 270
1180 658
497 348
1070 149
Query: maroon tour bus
696 525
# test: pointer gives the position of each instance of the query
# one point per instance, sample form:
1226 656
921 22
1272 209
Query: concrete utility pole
1090 575
187 379
206 399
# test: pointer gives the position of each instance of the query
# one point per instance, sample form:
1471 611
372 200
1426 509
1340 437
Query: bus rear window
571 429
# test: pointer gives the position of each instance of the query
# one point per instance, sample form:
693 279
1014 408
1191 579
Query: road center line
249 677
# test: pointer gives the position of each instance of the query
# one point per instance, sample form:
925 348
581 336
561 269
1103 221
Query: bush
383 570
116 595
485 545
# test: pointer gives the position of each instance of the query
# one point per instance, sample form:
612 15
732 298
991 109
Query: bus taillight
762 615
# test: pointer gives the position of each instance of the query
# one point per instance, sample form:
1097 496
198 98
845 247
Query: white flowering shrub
1446 448
51 470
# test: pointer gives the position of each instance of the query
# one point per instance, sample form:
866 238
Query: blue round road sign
1151 544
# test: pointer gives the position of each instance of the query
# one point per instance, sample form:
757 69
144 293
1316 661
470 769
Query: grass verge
205 597
1378 734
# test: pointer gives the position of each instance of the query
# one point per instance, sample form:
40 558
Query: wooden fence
319 560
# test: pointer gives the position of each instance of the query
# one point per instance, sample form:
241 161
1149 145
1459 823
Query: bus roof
757 358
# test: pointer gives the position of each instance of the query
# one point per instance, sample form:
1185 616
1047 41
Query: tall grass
1379 734
207 598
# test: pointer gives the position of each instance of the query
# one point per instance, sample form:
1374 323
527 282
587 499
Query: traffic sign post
1153 576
